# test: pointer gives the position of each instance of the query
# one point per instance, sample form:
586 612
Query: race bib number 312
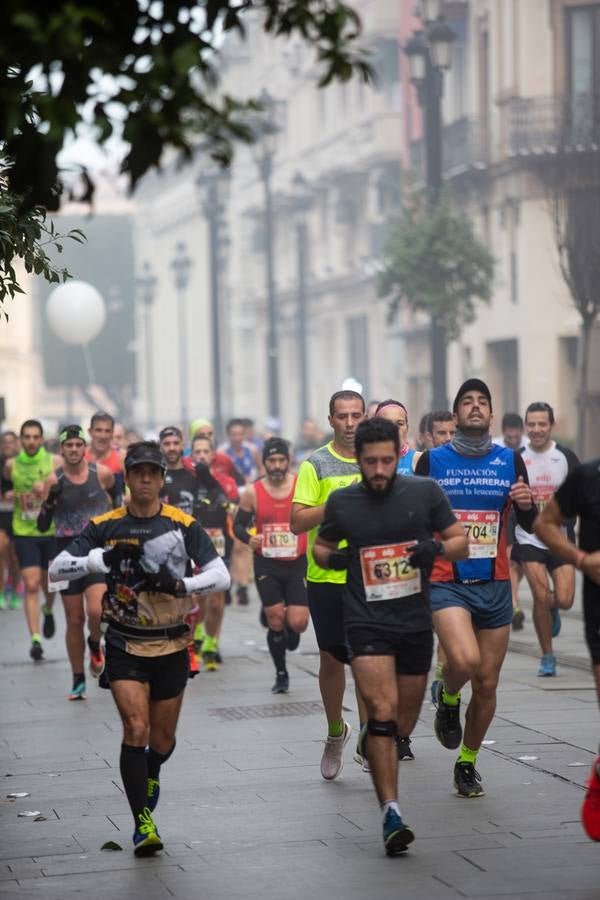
482 528
387 573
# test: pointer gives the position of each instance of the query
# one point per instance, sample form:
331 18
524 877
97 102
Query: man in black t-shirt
388 521
579 495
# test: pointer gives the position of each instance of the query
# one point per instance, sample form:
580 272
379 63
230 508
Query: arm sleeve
307 486
241 524
45 516
570 456
422 467
442 516
525 518
73 561
213 578
567 496
329 529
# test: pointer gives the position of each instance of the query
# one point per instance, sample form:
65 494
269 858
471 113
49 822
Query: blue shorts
489 603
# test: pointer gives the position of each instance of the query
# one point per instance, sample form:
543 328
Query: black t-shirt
579 495
180 489
412 511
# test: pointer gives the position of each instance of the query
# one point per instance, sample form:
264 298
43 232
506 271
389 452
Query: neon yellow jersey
318 476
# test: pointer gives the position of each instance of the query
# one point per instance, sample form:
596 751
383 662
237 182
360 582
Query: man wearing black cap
471 600
145 550
74 494
279 555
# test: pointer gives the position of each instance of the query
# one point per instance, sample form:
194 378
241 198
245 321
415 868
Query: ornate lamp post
301 203
146 287
429 53
181 266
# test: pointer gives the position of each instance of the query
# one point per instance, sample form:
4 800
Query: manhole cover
266 711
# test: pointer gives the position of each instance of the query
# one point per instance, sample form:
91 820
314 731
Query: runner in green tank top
28 471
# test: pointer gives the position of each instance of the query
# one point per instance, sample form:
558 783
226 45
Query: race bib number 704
482 527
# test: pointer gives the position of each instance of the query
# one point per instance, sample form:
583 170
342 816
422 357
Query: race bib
278 542
387 573
218 540
482 531
30 506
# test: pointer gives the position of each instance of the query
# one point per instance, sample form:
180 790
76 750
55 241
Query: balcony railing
550 125
464 149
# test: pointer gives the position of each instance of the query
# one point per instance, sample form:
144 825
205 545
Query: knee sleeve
381 729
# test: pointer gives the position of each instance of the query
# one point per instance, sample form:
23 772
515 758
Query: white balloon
76 312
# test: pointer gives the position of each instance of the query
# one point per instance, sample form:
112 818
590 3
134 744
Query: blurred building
521 109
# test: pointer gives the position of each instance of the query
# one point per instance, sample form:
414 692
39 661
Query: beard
379 488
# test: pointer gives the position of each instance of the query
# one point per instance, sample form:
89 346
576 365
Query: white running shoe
332 761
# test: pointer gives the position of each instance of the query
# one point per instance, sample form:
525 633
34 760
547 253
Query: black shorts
35 551
6 522
413 651
511 524
327 614
166 675
79 585
591 619
279 581
524 553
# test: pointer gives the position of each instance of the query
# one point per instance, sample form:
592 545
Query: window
583 68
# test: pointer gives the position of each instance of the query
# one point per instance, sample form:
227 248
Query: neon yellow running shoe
146 839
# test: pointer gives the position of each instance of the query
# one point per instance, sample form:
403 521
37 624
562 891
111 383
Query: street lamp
181 266
215 187
146 287
301 203
429 54
264 150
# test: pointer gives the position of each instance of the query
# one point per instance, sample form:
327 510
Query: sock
450 699
467 755
134 773
155 761
390 804
199 632
47 610
292 639
93 645
36 637
336 728
439 668
78 678
276 644
210 644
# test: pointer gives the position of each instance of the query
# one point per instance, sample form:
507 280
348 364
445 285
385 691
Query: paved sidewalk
244 812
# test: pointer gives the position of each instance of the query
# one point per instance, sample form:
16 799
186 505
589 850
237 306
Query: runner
222 463
279 555
388 521
243 454
579 495
471 600
424 440
328 468
76 492
548 464
180 484
395 412
101 449
145 550
34 550
9 566
512 436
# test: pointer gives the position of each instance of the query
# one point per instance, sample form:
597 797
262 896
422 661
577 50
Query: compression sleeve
213 579
45 516
241 524
525 518
73 561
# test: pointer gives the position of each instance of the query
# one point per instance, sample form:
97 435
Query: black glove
122 550
203 474
425 553
164 582
339 559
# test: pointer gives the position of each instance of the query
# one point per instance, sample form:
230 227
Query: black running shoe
36 651
292 639
467 780
242 596
282 683
403 748
446 724
518 619
49 627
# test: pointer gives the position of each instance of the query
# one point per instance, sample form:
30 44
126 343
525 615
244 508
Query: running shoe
78 691
96 662
3 603
518 619
210 662
467 780
446 724
153 789
332 761
396 835
590 811
146 839
292 639
403 748
242 596
434 689
49 627
547 666
36 651
194 661
556 622
14 601
360 754
282 683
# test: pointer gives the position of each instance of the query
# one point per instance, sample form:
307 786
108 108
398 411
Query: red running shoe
590 811
194 661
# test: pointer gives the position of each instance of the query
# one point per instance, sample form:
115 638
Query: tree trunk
583 360
439 389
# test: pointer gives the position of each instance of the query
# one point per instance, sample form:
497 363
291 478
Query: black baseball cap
472 384
170 431
147 452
